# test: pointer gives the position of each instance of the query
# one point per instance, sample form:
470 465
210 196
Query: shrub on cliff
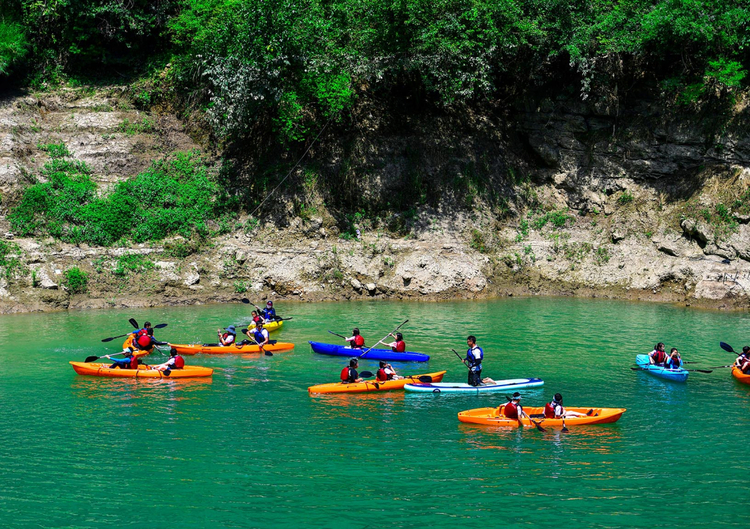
174 196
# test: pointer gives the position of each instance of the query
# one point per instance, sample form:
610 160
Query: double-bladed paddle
160 326
270 342
671 369
336 334
248 302
381 340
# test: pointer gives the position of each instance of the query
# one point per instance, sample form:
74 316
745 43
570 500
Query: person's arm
350 339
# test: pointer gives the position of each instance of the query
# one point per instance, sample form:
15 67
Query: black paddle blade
268 353
701 370
134 323
726 347
425 378
109 339
366 374
245 301
160 326
91 358
538 426
243 331
565 429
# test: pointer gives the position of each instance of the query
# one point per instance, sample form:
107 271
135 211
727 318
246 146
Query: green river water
251 448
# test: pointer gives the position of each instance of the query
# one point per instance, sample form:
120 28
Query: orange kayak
739 375
192 349
493 417
138 352
103 370
374 385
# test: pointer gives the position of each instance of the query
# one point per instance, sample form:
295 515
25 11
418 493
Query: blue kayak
365 353
676 375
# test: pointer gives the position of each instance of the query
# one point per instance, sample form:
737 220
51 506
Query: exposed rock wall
595 203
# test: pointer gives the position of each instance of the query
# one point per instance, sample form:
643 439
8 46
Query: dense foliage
175 196
302 64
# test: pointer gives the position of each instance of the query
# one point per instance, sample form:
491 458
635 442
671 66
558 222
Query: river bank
667 224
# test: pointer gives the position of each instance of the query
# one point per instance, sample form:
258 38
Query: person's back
511 410
349 374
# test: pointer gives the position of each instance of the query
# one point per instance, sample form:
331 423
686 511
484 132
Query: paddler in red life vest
142 334
555 410
228 337
256 318
514 410
658 356
128 362
386 372
743 360
349 374
674 361
399 346
175 362
358 342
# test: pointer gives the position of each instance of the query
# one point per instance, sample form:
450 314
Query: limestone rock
192 279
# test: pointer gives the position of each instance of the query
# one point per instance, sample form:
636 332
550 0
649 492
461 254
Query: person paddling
256 317
674 361
269 313
227 338
386 372
474 357
356 339
555 410
129 361
514 410
658 356
399 346
147 342
743 360
259 335
175 362
349 374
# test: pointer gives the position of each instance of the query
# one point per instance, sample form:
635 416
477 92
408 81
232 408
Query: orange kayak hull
192 349
103 370
138 352
493 417
372 385
739 375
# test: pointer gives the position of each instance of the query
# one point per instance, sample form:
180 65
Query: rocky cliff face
560 198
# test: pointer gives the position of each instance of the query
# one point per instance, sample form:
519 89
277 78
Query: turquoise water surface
251 448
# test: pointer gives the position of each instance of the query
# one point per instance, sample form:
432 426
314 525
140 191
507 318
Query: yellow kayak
143 371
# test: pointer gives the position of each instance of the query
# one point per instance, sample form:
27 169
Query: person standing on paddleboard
474 357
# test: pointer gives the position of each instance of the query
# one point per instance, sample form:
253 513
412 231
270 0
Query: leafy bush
9 265
557 217
76 280
13 45
626 198
174 196
132 264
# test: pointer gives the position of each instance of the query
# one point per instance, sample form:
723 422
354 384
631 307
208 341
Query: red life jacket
345 374
659 357
511 411
381 376
359 341
144 341
549 411
400 346
134 363
179 362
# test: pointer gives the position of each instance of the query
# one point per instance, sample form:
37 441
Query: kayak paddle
134 323
270 342
690 370
459 357
160 326
366 374
564 428
92 358
537 424
727 348
384 337
336 334
720 367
